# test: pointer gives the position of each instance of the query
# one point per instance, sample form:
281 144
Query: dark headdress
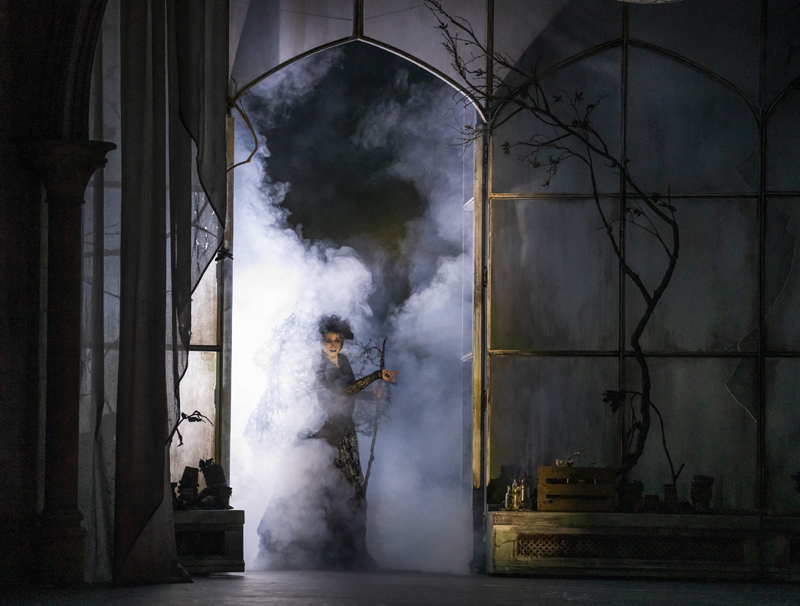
334 323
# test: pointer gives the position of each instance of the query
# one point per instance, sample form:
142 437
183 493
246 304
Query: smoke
406 286
286 88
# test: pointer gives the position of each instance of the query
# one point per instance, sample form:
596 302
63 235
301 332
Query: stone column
65 168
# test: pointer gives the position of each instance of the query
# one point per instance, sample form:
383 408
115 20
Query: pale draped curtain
153 226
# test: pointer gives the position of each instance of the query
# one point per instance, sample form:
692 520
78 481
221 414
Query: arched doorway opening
359 202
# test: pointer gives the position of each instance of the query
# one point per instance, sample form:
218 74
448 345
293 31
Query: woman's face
332 344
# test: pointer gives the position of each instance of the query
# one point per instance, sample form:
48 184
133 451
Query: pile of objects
216 494
519 496
632 498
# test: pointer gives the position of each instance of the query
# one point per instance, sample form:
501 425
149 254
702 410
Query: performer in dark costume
338 512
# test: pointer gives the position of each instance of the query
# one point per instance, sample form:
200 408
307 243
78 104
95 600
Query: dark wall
46 51
20 199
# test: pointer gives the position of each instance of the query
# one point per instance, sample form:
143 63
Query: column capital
65 167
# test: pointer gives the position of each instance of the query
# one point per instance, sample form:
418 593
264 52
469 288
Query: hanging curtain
152 199
100 313
201 34
144 541
198 79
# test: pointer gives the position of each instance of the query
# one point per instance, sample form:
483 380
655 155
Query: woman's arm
355 387
360 384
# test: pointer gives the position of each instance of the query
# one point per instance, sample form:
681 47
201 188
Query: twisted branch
573 137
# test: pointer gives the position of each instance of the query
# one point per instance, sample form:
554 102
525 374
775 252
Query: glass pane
276 31
92 344
545 33
782 436
782 295
198 392
410 26
598 78
548 408
553 276
711 304
112 214
783 151
206 226
466 428
204 309
708 428
109 46
467 277
686 132
783 58
721 35
111 363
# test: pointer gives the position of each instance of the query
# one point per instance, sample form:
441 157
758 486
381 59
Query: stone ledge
712 547
208 516
624 520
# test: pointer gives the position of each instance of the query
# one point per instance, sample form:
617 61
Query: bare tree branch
569 135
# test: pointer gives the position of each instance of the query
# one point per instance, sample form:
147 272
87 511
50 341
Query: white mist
417 518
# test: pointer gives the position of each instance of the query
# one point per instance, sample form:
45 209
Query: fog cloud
417 515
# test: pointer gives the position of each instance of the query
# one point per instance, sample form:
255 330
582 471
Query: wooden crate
577 489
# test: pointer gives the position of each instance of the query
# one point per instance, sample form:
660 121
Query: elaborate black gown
319 521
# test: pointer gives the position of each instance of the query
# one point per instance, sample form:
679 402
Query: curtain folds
180 209
142 425
198 80
154 227
202 41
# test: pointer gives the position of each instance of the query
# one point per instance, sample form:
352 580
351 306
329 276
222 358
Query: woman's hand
388 375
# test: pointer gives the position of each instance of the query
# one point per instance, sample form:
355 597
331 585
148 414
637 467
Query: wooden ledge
624 520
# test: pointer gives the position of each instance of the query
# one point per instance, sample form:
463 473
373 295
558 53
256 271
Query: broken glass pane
709 427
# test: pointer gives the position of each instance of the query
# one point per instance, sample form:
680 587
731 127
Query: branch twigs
372 448
568 133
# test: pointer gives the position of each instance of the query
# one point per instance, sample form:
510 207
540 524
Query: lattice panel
684 549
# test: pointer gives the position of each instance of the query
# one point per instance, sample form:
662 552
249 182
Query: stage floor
318 588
